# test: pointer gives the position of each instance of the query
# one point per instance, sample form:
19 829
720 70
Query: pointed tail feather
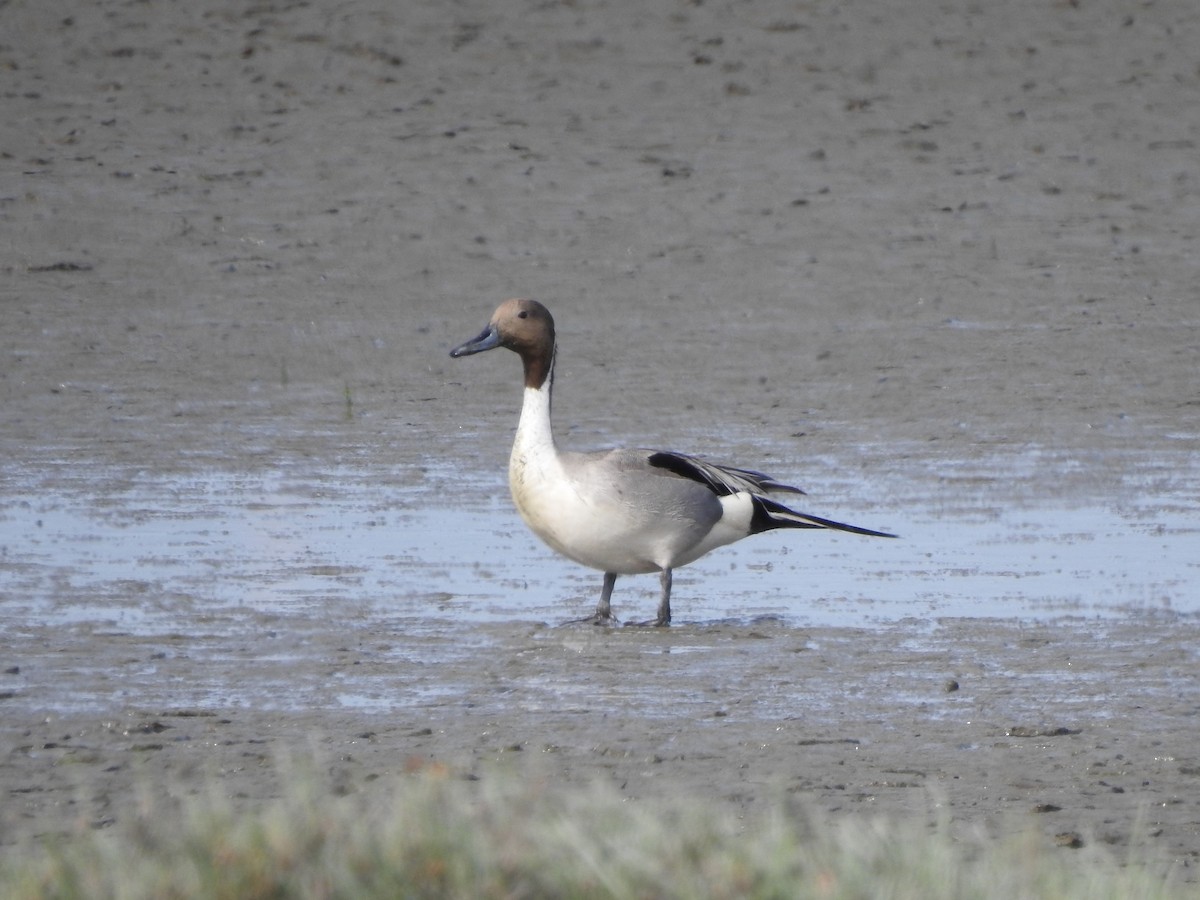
768 514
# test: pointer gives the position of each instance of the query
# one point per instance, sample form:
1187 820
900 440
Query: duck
627 511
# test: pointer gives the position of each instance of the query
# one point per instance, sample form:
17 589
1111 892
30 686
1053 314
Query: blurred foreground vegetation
432 835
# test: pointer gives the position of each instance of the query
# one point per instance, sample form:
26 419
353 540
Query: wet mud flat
1083 730
935 266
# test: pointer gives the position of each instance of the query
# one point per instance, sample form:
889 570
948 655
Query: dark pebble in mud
1030 731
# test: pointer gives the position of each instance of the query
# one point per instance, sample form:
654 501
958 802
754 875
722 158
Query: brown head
525 327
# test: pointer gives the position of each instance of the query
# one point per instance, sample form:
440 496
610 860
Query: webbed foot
596 618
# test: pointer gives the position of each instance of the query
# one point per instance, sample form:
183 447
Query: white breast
613 511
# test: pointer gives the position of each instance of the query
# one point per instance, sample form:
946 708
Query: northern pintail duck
624 512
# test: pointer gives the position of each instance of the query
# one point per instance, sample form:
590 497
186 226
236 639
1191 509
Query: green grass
431 835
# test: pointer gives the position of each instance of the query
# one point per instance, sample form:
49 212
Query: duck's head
523 326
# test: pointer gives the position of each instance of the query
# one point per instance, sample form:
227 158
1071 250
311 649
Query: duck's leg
603 615
664 604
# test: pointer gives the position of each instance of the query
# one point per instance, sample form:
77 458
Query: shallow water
175 553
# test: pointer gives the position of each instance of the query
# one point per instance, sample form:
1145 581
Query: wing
768 514
721 480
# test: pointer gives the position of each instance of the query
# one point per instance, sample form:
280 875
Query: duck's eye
523 314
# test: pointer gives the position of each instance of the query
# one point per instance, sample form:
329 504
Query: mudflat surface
934 263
